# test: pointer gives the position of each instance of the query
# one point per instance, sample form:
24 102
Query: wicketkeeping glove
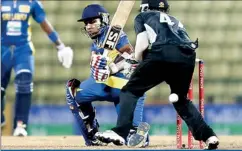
129 67
65 55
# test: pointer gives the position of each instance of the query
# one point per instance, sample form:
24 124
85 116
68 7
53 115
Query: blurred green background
217 24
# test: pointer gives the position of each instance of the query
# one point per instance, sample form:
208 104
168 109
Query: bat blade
117 24
122 13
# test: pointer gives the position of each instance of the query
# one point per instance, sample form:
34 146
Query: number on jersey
164 18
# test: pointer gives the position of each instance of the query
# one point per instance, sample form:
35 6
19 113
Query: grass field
76 142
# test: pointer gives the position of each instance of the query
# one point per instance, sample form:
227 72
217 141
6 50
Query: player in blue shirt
106 78
18 53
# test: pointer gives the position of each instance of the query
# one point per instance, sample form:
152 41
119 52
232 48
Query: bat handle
105 53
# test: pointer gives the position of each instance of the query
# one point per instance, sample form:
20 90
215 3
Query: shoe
212 143
91 134
110 136
147 142
96 142
20 130
3 122
132 132
139 138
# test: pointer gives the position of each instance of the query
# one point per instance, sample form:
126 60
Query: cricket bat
117 24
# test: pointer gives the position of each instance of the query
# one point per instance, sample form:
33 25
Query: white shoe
3 124
110 136
20 130
139 138
212 143
96 142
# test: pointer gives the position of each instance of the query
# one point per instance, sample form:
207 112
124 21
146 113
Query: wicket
201 108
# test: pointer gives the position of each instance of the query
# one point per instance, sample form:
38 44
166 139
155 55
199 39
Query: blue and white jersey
16 21
117 80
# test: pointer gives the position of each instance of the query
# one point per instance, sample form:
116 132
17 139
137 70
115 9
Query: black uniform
170 58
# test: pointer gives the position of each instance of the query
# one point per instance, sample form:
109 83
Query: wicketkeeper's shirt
168 38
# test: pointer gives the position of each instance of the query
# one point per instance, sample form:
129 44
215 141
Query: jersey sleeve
38 11
92 47
139 24
123 40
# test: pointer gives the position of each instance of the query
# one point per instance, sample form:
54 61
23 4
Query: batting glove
98 61
129 67
100 74
65 55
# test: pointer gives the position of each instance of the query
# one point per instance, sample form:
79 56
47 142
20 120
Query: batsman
104 83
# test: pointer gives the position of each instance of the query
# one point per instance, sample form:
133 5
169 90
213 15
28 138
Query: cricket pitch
76 142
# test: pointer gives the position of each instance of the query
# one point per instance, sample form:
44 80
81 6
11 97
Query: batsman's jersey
163 30
16 18
117 80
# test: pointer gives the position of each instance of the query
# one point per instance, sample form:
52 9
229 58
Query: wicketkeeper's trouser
151 73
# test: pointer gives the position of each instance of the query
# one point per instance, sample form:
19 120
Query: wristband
53 36
61 46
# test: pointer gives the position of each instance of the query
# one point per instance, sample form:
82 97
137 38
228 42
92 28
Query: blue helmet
95 11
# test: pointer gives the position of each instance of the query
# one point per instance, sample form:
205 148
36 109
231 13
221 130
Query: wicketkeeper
169 57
